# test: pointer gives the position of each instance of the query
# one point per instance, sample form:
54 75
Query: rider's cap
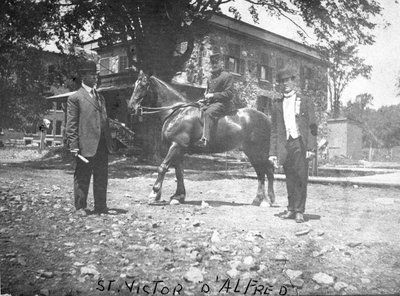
286 72
215 57
87 66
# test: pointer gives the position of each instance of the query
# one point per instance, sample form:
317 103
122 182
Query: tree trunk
371 150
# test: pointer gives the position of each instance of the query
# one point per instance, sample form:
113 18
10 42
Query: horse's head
141 89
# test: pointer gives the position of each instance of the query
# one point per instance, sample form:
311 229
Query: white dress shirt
88 89
291 108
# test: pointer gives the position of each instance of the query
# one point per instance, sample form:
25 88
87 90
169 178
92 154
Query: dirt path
352 245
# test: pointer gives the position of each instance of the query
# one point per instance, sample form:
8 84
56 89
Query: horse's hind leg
180 194
259 161
173 152
270 177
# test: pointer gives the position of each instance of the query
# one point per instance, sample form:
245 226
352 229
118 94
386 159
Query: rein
155 110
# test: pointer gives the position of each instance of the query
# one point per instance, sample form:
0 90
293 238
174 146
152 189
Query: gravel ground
215 242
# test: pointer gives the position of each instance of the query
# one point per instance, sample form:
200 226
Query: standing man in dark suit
88 135
293 141
218 98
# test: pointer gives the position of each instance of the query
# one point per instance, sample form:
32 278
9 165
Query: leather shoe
299 218
80 213
288 215
101 211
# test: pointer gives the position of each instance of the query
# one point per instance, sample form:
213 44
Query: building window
232 64
234 50
50 129
123 63
59 106
232 60
306 77
50 105
114 65
105 66
265 73
58 127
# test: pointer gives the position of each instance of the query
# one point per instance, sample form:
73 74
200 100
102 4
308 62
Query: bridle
146 110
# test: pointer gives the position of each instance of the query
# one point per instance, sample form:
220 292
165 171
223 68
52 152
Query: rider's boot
204 142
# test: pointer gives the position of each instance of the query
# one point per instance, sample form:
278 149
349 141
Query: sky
383 55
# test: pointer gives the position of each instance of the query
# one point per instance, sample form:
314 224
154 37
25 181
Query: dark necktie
96 96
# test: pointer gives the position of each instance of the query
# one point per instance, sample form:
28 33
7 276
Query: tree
381 128
24 27
360 111
155 27
357 110
343 66
386 125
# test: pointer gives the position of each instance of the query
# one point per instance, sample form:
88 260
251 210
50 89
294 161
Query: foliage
359 111
331 19
25 26
385 122
155 27
343 66
23 92
381 128
247 88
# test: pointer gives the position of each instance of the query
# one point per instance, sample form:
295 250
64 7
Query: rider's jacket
221 85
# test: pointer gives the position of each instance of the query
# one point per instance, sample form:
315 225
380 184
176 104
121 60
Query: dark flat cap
215 57
286 72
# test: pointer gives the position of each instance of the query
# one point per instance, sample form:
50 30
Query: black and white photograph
199 147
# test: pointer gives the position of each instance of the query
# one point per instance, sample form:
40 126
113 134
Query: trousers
98 167
211 115
296 171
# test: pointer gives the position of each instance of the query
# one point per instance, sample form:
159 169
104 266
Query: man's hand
310 155
75 151
274 160
209 96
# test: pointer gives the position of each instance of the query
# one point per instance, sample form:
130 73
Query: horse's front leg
260 199
173 152
180 194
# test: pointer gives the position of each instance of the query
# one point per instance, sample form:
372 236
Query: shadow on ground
200 167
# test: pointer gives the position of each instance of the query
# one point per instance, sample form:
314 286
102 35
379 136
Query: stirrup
202 143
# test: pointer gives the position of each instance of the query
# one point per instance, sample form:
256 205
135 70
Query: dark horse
182 127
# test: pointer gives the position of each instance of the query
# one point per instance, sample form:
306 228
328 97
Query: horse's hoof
174 202
154 196
157 202
178 197
274 205
256 202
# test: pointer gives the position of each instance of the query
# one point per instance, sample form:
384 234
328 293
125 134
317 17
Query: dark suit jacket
305 120
83 128
222 87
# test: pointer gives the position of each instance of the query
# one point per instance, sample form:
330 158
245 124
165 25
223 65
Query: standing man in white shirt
293 141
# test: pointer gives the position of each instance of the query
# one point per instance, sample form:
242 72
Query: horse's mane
169 88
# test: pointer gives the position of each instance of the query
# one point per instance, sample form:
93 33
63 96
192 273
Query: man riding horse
218 99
